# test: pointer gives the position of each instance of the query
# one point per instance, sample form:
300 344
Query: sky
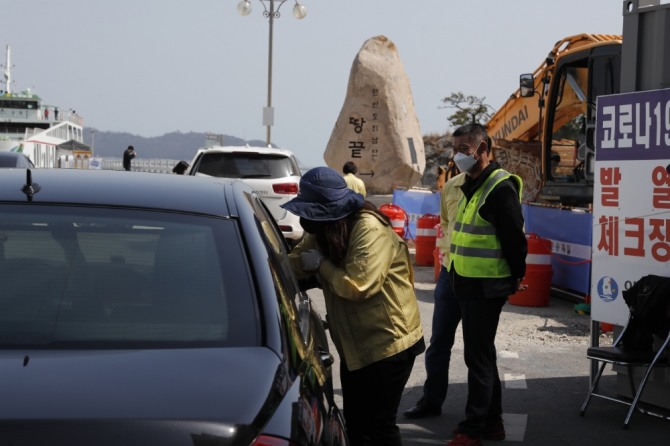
151 67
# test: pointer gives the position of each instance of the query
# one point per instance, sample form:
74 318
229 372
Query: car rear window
6 161
12 160
246 165
82 277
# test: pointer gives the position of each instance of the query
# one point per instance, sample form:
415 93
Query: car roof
248 149
204 195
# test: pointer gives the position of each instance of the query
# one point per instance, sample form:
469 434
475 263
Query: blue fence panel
416 203
570 232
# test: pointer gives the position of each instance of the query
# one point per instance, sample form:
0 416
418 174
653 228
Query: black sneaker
423 409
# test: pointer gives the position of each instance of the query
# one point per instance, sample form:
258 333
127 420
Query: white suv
273 173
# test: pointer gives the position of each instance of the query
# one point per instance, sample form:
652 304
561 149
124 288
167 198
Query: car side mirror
180 168
526 85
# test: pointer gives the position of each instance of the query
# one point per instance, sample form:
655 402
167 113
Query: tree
469 109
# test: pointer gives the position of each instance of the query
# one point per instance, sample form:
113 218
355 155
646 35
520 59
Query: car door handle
326 358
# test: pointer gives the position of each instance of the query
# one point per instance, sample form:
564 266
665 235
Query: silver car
273 173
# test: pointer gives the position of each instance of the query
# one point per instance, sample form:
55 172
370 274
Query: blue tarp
570 235
416 203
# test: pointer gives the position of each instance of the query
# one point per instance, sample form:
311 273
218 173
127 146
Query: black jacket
127 157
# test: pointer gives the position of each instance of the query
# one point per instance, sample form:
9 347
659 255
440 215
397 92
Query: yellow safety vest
475 248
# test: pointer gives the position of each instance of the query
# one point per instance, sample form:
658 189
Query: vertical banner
631 202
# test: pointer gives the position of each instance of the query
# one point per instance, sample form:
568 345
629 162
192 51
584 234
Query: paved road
544 386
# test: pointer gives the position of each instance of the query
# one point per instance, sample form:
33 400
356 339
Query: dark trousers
480 323
446 317
371 397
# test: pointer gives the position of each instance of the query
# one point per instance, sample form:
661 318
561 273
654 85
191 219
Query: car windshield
246 165
82 277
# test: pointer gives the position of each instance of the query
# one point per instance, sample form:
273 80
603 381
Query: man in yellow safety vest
488 261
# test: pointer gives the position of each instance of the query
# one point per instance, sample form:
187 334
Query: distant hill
175 145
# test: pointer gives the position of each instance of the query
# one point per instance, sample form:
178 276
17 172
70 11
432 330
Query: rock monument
378 128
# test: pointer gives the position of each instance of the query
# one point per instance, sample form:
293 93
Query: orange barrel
397 216
538 274
424 243
437 254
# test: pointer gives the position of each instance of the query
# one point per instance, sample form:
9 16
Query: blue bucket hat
324 196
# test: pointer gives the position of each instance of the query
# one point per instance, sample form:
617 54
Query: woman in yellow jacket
367 278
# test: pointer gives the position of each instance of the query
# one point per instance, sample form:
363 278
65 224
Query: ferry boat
50 137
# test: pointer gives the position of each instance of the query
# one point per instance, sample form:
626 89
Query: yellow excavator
544 131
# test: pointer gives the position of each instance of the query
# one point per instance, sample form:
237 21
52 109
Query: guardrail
141 165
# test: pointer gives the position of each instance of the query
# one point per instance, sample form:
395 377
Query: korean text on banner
631 205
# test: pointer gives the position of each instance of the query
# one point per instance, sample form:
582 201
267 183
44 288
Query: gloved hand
311 260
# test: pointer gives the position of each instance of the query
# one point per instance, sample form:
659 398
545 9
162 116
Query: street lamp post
271 12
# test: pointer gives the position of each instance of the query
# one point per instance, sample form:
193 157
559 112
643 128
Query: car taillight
285 188
266 440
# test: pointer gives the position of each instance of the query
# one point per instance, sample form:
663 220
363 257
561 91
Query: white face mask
465 163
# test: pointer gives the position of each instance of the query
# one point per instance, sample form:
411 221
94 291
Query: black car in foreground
153 309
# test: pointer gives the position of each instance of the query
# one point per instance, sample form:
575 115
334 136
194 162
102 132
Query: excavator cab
549 140
577 81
